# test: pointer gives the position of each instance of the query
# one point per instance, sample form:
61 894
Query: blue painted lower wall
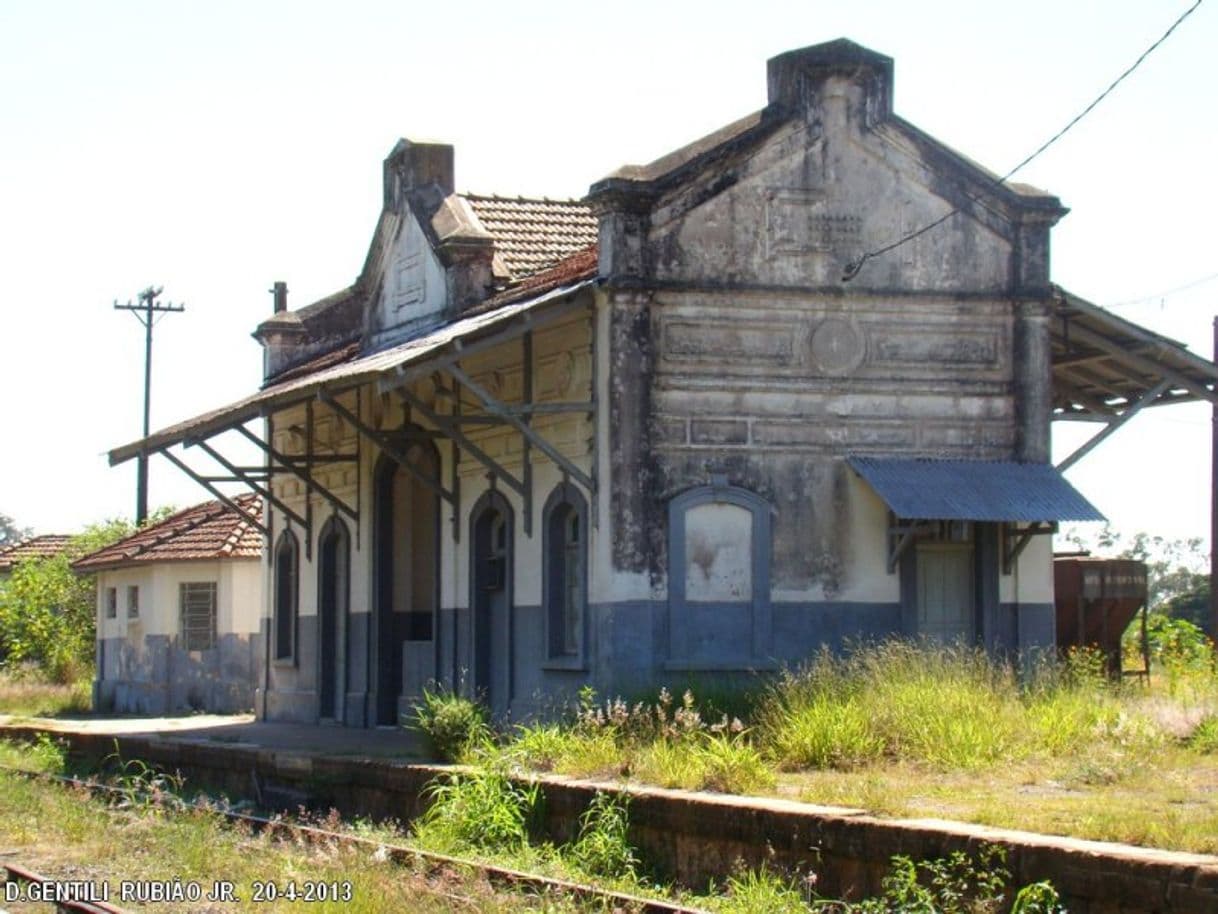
157 677
626 653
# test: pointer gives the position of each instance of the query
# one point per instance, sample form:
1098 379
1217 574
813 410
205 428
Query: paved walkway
243 729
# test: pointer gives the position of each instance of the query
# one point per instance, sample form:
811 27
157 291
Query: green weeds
452 722
603 847
483 810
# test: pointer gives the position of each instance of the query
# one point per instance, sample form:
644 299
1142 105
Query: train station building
698 425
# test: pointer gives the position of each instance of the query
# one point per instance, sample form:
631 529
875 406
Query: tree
48 612
9 531
1193 605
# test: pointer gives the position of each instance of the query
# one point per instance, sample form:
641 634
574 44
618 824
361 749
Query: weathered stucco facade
744 356
655 436
178 605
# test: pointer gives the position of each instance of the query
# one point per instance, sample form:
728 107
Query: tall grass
951 708
25 691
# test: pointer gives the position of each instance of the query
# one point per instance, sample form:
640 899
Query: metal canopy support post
309 479
456 466
1115 423
288 464
1213 515
387 446
256 522
526 451
451 430
496 408
1015 541
593 398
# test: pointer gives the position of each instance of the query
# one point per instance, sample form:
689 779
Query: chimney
280 291
796 77
413 166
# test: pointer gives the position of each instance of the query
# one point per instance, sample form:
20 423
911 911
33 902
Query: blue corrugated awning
974 490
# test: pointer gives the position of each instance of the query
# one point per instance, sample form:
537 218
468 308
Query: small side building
177 604
33 548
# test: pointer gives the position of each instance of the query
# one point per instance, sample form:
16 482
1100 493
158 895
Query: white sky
213 147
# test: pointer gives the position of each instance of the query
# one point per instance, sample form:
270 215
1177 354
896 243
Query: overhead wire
1161 296
854 266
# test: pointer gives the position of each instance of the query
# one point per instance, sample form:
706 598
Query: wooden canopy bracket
901 534
1015 540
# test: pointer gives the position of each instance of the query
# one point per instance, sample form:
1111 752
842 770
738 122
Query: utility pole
144 312
1214 513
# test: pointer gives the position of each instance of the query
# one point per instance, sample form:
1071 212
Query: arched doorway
407 578
333 589
491 601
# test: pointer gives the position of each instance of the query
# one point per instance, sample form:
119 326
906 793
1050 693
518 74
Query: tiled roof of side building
531 235
45 546
211 530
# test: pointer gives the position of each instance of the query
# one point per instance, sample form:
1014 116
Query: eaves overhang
455 340
1103 365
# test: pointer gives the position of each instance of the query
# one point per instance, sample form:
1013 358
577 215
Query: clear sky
214 147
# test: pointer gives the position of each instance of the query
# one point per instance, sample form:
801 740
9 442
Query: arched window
565 575
287 574
719 579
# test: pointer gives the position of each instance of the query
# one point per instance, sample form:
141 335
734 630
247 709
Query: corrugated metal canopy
1102 363
336 378
975 490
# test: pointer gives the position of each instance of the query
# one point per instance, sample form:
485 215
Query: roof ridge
206 511
519 198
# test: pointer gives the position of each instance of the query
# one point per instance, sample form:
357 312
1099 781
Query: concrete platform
245 730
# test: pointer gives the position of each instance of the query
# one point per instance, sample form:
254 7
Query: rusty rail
496 875
66 905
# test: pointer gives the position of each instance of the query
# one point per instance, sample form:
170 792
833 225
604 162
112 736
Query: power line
853 266
1159 296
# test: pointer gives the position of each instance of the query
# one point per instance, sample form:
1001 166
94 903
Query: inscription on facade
686 340
918 349
799 222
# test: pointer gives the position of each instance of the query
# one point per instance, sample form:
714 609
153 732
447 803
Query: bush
1204 738
761 892
483 811
453 723
602 848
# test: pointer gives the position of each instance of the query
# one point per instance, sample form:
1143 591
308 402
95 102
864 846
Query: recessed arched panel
491 610
287 585
565 575
719 548
333 601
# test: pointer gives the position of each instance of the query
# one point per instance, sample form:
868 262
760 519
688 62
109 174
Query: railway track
400 854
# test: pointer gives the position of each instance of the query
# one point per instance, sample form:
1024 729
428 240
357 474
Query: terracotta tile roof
36 547
531 235
568 271
211 530
334 357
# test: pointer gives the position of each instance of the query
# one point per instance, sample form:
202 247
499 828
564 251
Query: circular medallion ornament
837 346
